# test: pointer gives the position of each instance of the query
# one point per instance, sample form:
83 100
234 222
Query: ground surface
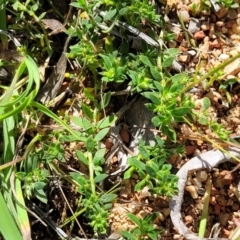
210 37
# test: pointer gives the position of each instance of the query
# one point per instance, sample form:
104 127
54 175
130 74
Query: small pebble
232 14
184 58
161 217
217 209
177 237
201 191
205 26
235 206
199 206
212 31
166 211
212 200
172 44
229 24
202 176
179 38
184 14
224 30
219 23
215 44
188 219
227 177
225 233
190 149
197 183
221 200
223 218
238 20
223 57
194 25
221 12
125 135
192 190
199 35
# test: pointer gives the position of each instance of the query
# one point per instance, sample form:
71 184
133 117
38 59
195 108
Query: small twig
73 214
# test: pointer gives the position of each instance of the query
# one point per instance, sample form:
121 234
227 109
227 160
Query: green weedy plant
21 10
143 229
95 204
33 178
12 102
153 171
113 68
169 104
227 3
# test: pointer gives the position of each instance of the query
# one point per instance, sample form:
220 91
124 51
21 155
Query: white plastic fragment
207 161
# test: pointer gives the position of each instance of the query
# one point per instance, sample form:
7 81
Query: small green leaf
99 156
234 5
145 60
88 94
133 161
181 111
167 62
106 99
170 133
81 180
151 171
176 87
203 120
134 219
75 4
81 157
160 142
40 194
153 96
106 198
155 73
140 185
128 235
90 144
123 11
129 173
110 14
39 185
108 206
156 121
107 61
154 235
87 110
107 121
81 122
144 152
20 175
101 134
159 87
206 103
100 177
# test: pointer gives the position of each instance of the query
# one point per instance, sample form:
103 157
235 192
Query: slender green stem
203 221
91 173
211 72
215 144
36 19
72 217
184 30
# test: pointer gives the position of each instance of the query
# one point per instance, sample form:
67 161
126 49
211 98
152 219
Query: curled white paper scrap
207 160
